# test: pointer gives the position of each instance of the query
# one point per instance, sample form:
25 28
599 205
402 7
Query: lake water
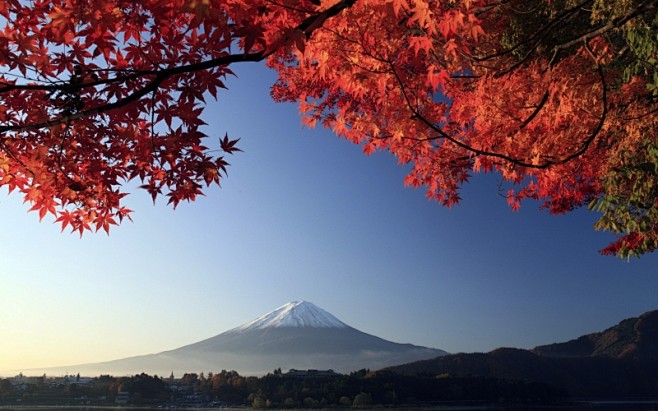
590 406
581 407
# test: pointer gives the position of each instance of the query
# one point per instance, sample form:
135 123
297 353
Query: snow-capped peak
295 314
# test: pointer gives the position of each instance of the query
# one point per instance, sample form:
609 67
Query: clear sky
304 215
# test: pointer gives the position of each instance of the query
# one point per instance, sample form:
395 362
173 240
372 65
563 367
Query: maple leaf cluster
94 94
557 96
537 91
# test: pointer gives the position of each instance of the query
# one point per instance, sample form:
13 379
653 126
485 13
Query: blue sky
304 215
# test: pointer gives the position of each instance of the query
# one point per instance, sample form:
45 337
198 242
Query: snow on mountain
296 335
294 314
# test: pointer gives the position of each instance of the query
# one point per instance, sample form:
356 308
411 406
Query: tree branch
519 162
539 35
612 24
308 26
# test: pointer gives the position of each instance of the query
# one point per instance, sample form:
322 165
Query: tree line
275 390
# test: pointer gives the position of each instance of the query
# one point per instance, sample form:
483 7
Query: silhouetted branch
157 77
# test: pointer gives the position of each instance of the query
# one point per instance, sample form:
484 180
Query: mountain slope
294 314
618 362
296 335
581 377
631 338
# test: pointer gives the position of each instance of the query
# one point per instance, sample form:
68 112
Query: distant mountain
632 338
296 335
618 362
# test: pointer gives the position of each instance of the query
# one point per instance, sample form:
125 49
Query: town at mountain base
620 362
304 389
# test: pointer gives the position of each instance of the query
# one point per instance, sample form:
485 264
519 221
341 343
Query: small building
123 397
310 373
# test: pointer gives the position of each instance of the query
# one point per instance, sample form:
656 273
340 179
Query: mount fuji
296 335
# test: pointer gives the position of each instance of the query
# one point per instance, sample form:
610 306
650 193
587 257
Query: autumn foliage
559 97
